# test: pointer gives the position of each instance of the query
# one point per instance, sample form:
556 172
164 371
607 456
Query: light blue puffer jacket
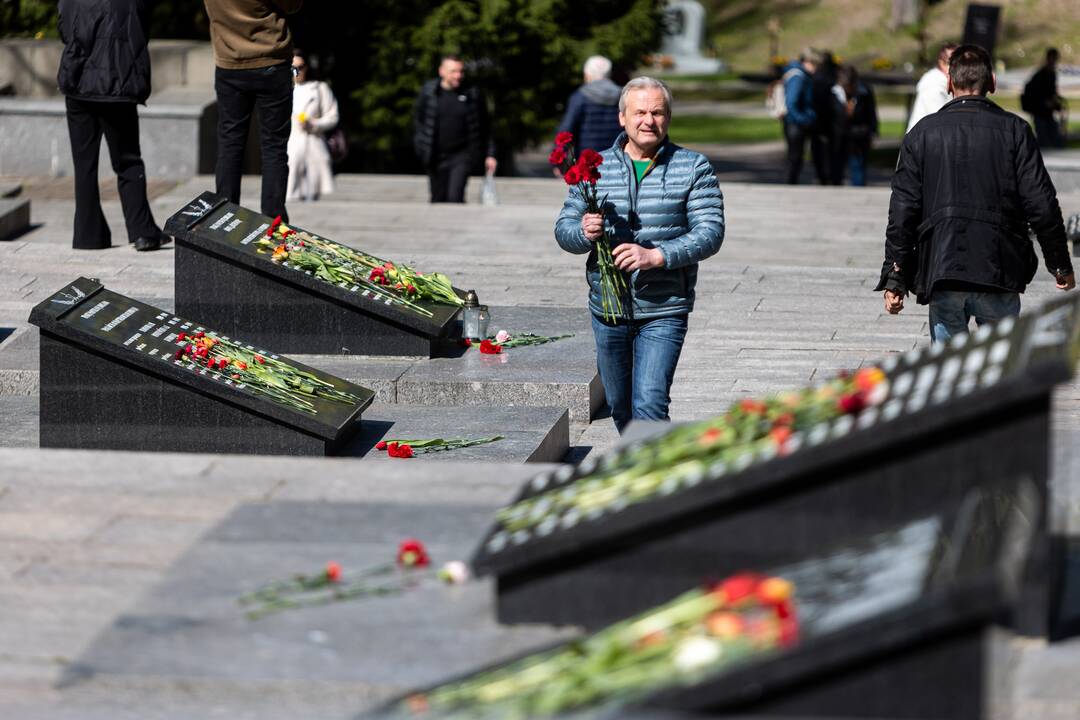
677 208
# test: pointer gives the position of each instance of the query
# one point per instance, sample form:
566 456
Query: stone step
530 434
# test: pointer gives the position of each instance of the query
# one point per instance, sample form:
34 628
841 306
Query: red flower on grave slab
710 437
404 451
273 226
412 553
260 359
333 571
200 334
182 336
784 419
852 403
738 588
489 348
752 407
381 445
179 354
775 591
780 435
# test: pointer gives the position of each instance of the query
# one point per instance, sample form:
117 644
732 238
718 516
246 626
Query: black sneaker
144 244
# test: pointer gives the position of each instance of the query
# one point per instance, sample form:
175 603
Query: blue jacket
677 208
799 95
592 115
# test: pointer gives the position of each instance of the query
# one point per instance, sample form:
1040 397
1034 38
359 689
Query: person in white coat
314 115
932 91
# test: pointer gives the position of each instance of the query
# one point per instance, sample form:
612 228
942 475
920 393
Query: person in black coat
969 181
855 123
1041 99
451 131
104 74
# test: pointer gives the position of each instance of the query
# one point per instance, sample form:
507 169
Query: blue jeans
952 310
637 360
857 169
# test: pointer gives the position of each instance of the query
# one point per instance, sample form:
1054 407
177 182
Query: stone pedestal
109 380
222 278
970 417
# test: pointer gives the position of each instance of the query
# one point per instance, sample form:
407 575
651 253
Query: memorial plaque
227 280
898 624
586 546
114 376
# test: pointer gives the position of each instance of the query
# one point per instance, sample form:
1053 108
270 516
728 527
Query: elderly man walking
592 112
969 182
664 214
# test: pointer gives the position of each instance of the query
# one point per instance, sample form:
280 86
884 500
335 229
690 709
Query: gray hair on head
645 83
597 67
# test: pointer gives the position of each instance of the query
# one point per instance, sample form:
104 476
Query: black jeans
796 146
269 92
448 178
119 123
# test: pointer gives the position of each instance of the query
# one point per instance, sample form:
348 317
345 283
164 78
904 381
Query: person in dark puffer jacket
664 213
592 112
969 181
451 131
104 74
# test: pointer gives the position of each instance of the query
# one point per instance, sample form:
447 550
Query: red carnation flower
738 587
489 348
179 354
591 158
391 449
404 451
572 176
260 359
273 226
200 334
852 403
381 445
564 138
412 553
557 157
589 174
182 336
333 571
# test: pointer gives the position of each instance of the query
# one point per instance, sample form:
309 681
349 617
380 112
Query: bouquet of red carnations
582 171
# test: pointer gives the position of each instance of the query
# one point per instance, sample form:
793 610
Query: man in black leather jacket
969 181
104 73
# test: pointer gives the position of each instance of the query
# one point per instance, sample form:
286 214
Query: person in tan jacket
253 52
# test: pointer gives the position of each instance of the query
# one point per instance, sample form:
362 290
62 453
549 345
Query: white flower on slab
696 652
502 336
454 572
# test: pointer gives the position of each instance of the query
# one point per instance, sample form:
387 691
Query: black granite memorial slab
970 415
223 279
903 623
110 379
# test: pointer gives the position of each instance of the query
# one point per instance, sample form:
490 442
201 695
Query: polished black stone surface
109 380
970 415
223 279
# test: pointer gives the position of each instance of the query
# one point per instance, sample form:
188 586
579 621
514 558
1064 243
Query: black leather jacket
969 181
105 57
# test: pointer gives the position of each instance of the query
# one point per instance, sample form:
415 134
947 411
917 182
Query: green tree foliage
28 18
526 55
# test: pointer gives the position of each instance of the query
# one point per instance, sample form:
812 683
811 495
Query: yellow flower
302 117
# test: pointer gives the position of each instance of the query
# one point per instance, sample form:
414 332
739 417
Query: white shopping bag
488 194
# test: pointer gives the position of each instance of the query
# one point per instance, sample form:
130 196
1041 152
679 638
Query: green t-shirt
640 166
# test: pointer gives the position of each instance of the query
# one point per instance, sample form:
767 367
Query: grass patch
710 129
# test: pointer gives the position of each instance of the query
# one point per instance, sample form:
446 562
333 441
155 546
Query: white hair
645 83
597 67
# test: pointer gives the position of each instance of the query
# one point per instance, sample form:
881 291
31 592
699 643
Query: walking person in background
822 146
314 114
1040 98
856 123
253 53
451 131
799 117
932 91
592 112
969 182
665 214
104 75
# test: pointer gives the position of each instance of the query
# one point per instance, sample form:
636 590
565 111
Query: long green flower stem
621 661
271 377
612 279
683 455
526 339
433 445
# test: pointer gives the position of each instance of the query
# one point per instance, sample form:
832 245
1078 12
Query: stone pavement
84 536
